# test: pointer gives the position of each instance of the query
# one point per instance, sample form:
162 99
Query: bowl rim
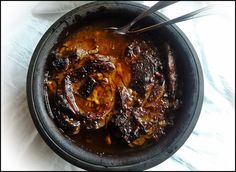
86 165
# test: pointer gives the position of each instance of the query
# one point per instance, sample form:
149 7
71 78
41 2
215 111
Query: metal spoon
195 14
125 29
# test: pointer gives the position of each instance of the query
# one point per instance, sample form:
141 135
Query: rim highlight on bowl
138 159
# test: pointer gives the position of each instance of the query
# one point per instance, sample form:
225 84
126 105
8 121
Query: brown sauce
111 92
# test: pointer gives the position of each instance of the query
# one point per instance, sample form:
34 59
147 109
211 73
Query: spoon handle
195 14
159 5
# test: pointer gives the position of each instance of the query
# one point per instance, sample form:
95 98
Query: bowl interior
188 68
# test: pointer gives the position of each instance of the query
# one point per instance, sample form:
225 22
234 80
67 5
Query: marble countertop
211 146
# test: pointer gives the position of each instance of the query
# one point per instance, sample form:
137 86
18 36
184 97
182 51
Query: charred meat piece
97 63
59 62
139 50
100 63
141 75
64 105
83 72
93 101
68 125
65 115
122 98
126 126
156 92
88 119
69 115
150 119
134 124
87 88
92 105
144 63
93 123
123 121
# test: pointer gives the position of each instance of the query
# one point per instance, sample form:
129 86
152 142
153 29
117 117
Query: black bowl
188 66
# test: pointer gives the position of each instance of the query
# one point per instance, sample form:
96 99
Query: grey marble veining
211 145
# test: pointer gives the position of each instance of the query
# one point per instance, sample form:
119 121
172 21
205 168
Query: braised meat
144 62
121 84
87 88
123 120
83 92
95 64
137 123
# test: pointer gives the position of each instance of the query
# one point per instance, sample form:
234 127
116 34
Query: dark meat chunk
144 63
141 75
91 123
123 120
96 100
134 124
68 114
122 98
83 72
64 105
100 63
87 88
65 111
157 92
126 125
95 64
68 125
58 62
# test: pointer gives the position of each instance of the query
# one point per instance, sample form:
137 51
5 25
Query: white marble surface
211 146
